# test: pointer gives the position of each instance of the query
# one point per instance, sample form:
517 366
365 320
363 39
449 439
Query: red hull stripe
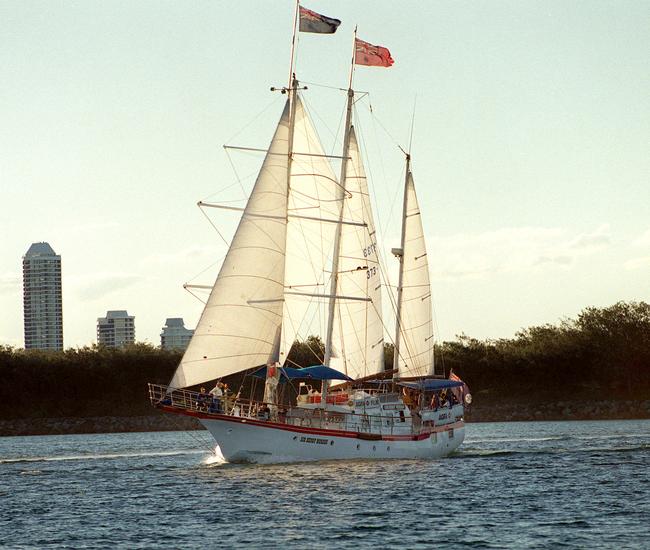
302 429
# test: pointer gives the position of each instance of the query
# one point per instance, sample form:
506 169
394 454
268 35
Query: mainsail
241 323
358 338
415 323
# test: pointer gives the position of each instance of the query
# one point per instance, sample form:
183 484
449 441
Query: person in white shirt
217 394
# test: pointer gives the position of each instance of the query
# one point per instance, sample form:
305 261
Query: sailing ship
307 236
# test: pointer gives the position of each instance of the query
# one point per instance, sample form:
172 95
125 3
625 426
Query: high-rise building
42 300
174 335
116 330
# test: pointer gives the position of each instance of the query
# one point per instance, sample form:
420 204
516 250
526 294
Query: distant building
42 301
115 330
174 335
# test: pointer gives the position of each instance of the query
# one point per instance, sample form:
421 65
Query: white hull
242 440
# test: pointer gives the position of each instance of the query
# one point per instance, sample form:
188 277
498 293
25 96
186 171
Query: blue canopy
432 384
317 372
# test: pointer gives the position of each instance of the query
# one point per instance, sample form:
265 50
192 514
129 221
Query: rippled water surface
522 485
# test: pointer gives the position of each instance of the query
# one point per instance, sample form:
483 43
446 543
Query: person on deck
217 394
435 402
202 400
227 398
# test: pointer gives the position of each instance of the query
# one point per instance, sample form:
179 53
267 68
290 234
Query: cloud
643 240
637 263
106 283
512 249
592 241
9 283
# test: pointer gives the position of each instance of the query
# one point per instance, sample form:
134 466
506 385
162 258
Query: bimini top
317 372
432 384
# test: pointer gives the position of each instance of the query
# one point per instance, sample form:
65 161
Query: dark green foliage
603 354
93 381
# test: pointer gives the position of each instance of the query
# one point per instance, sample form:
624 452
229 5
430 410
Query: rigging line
390 136
201 441
309 111
323 122
206 269
257 116
197 297
325 86
437 331
215 227
234 169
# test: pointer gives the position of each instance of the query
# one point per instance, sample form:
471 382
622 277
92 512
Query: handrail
233 405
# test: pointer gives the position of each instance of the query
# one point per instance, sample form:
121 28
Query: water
522 485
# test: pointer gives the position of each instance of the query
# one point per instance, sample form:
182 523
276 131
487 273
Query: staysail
313 210
241 323
358 336
415 323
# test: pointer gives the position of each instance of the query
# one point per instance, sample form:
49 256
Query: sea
511 485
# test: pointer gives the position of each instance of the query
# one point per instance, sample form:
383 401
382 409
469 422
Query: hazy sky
531 146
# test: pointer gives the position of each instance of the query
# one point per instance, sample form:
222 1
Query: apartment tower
42 300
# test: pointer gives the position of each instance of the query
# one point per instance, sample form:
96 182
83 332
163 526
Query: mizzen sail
415 323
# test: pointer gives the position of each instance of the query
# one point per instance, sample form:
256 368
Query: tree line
604 353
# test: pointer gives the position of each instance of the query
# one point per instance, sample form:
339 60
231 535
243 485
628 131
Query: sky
530 143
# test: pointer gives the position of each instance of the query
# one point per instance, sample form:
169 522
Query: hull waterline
253 442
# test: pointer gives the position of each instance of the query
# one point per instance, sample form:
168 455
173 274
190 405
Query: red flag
373 56
462 394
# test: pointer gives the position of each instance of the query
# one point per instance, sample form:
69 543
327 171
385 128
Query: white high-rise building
174 335
116 330
42 300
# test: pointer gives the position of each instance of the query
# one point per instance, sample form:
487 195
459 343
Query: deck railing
297 416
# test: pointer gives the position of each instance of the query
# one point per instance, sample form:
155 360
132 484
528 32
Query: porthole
358 446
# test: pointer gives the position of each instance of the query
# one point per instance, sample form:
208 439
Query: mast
273 374
337 238
399 253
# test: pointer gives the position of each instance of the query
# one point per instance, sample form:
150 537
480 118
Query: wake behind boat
304 230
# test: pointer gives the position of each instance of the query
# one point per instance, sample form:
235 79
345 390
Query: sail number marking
368 250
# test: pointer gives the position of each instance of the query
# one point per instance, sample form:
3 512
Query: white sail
241 323
416 327
313 195
358 337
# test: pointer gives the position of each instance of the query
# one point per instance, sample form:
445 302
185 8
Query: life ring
468 398
350 403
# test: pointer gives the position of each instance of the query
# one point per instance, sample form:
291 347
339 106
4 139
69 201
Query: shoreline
506 412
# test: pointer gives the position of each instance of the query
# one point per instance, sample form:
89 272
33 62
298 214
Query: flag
310 21
374 56
462 393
